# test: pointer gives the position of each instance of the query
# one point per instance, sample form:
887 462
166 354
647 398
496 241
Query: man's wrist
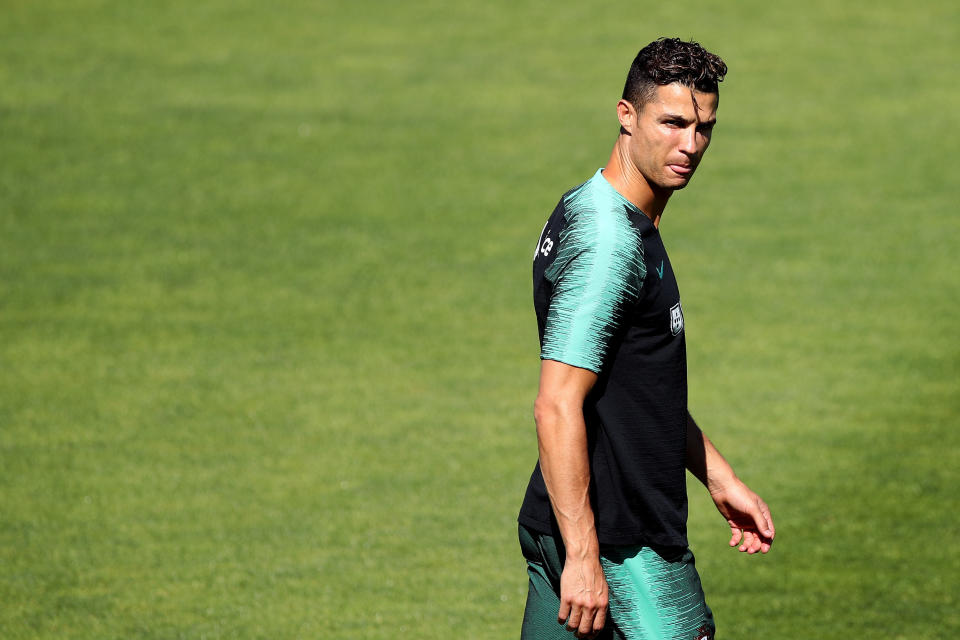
582 553
581 548
720 480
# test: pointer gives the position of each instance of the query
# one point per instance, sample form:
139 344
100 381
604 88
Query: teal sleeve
597 276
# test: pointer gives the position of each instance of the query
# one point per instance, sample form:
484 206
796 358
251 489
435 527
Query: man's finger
762 519
770 531
573 622
752 541
564 612
735 534
585 629
599 620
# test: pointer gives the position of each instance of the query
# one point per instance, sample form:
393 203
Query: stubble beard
672 187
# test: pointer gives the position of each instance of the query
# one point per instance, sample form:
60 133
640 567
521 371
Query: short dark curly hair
668 60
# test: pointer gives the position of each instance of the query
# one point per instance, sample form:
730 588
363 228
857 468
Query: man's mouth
681 169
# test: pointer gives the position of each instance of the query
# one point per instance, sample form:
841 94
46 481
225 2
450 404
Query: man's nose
688 141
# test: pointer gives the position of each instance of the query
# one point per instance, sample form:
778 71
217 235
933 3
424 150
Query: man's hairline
639 107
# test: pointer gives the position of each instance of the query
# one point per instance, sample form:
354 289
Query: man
603 522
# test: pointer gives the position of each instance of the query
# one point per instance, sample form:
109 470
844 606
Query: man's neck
623 176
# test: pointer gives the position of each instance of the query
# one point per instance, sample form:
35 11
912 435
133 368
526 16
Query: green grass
268 353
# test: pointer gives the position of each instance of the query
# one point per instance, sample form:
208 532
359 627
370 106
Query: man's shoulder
580 197
599 219
571 204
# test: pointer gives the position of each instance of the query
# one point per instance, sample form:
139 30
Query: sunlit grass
268 352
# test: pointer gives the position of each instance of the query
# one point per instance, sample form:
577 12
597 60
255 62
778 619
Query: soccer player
603 522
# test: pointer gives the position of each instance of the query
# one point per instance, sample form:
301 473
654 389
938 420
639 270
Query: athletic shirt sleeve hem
571 361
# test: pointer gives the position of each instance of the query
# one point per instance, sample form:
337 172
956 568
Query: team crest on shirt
676 319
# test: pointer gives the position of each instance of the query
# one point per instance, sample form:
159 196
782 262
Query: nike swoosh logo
660 270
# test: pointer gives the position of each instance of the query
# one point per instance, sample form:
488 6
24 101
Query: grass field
267 348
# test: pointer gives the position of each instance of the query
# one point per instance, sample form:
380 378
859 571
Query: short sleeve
597 276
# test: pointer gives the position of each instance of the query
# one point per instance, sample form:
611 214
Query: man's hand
562 435
583 597
751 525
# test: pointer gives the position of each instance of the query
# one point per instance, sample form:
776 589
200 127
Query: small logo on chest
676 319
660 270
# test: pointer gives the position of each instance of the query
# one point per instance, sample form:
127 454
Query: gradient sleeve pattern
597 275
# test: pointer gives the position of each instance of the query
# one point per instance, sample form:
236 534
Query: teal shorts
654 594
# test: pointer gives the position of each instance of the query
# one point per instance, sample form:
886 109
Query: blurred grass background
267 348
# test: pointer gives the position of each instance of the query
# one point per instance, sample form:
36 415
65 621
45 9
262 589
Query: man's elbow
543 409
550 408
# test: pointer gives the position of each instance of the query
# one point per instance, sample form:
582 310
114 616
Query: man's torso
607 300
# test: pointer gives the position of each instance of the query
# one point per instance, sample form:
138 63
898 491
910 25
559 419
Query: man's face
670 135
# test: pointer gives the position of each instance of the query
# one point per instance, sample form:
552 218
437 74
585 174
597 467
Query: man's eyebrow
684 119
675 116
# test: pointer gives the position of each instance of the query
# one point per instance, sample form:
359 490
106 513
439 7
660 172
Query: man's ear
627 115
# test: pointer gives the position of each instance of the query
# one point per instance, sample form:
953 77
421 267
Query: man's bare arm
751 525
562 436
